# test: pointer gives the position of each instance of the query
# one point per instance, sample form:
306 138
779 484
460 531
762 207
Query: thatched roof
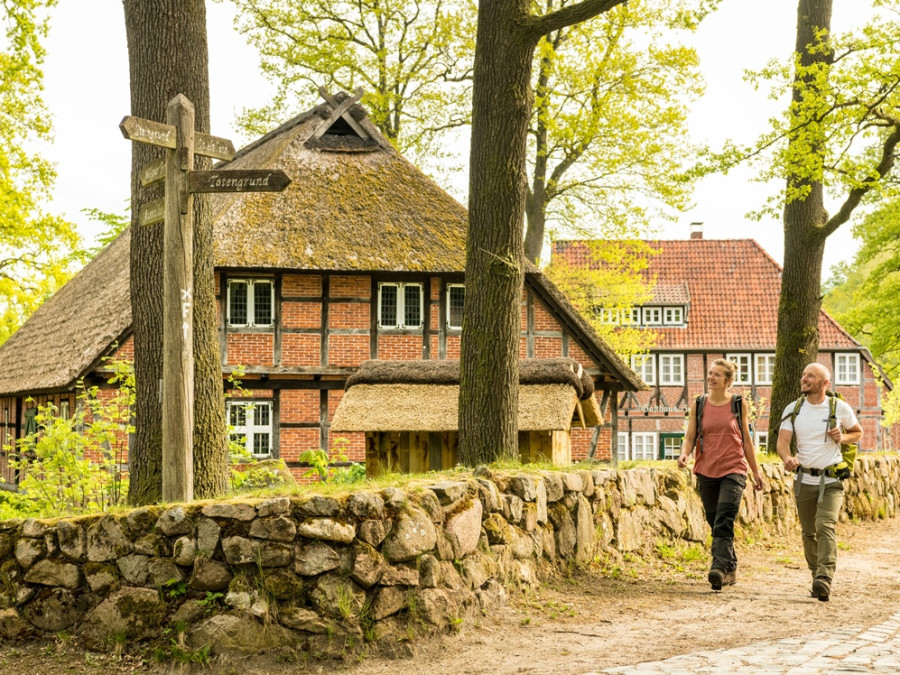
73 328
445 371
435 407
353 205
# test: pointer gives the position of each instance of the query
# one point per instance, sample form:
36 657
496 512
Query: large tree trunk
167 56
489 364
804 246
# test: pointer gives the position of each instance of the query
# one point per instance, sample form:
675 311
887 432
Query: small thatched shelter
409 411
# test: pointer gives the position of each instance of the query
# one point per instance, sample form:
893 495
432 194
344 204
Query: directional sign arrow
163 135
238 180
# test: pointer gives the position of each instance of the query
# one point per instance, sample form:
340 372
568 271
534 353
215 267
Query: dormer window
673 316
652 316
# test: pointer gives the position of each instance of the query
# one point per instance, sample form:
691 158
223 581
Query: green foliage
321 465
611 281
607 142
76 465
37 250
412 58
865 296
114 224
842 112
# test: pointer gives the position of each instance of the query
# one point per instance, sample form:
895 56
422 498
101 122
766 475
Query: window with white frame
652 316
251 426
671 368
64 409
846 369
765 368
742 376
456 300
762 441
671 445
400 305
643 446
673 316
608 316
622 450
645 367
250 302
631 317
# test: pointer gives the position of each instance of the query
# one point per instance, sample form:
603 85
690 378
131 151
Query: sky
87 88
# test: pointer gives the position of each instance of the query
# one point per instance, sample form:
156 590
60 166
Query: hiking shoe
821 588
730 578
716 578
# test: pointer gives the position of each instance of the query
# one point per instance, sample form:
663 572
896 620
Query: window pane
261 414
237 303
237 416
262 303
388 305
456 296
261 444
412 306
623 446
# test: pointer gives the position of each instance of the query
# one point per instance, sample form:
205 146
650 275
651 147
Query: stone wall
327 574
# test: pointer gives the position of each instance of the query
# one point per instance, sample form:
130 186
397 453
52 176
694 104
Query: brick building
361 257
715 298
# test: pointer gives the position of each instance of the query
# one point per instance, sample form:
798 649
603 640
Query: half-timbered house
361 257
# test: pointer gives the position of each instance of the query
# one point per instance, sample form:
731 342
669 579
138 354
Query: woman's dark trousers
721 499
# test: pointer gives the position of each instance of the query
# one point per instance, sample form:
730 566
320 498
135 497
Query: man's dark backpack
844 468
737 409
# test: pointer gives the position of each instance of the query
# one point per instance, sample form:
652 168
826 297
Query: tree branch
537 26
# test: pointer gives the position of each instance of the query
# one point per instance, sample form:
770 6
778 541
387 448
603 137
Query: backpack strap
792 416
737 409
700 402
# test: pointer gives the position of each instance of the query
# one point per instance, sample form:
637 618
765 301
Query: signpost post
176 211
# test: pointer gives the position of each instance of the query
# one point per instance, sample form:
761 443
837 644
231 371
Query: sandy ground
603 617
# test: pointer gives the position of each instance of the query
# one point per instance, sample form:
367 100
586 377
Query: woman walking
723 450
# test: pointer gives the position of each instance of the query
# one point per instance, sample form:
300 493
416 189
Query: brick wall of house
251 349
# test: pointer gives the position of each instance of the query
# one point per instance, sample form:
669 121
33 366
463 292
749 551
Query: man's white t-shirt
815 449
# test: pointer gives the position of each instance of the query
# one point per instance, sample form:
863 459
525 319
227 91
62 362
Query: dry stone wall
326 574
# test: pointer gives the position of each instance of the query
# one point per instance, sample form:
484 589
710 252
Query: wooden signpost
176 211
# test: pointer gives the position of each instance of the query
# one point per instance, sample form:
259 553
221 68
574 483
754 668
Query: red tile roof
733 287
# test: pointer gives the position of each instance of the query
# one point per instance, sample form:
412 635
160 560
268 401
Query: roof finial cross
341 109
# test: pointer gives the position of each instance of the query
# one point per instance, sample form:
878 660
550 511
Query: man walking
817 441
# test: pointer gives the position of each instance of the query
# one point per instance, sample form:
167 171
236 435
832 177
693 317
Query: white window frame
678 442
744 371
631 316
401 305
843 363
609 316
764 368
622 452
669 360
64 409
450 324
644 439
251 300
250 427
652 316
762 441
673 321
645 367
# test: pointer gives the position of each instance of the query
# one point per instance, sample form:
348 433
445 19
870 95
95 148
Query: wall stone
325 574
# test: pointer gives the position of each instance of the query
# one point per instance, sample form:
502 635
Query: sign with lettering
153 212
238 180
163 135
153 172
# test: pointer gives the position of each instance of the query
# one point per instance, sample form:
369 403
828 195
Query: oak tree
167 53
502 101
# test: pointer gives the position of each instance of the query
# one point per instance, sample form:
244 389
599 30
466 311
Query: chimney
696 230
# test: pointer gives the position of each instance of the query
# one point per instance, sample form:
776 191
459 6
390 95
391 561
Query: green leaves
37 251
